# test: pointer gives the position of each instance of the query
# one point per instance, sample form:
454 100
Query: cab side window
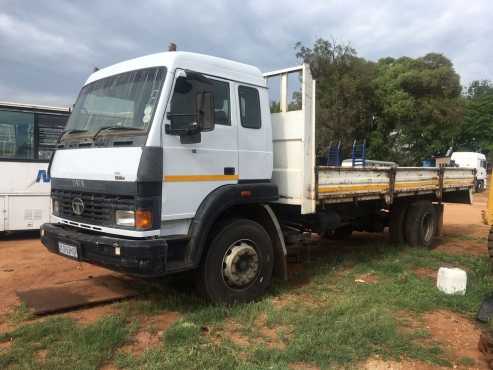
182 103
249 107
222 114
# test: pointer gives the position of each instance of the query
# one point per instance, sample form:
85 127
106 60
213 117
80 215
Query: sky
48 48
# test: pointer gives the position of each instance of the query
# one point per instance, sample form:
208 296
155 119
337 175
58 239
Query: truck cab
156 148
476 161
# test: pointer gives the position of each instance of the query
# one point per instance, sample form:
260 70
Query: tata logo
42 176
77 183
77 206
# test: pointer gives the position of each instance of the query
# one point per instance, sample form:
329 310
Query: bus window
50 127
16 135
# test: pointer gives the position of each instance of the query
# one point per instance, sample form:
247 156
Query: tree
407 109
476 131
344 94
419 108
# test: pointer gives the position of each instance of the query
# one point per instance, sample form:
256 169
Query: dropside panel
416 179
345 184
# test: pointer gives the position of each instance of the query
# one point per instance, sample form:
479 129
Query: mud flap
462 196
439 212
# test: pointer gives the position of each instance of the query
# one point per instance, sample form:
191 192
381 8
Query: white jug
452 280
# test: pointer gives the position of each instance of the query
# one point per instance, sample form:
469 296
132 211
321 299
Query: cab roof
209 65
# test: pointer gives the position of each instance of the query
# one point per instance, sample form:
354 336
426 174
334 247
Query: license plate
68 250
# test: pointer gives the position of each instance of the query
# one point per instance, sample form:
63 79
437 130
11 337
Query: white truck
173 162
476 161
28 135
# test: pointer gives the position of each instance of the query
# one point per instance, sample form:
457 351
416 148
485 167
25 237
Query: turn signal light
143 219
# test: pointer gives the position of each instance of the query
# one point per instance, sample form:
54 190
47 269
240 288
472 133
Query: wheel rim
240 264
428 227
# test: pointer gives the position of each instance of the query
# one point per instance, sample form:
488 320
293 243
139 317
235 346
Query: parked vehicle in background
28 135
174 162
476 161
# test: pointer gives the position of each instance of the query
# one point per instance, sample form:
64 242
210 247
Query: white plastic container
452 280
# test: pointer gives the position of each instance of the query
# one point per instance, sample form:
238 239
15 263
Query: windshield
127 100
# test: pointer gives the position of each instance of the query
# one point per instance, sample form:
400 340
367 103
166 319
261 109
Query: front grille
99 209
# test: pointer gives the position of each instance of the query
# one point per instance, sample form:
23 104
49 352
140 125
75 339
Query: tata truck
173 162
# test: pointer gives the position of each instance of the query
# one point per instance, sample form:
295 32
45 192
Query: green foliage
407 109
476 132
344 93
66 345
419 108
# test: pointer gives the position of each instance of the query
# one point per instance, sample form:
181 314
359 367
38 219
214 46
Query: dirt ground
25 263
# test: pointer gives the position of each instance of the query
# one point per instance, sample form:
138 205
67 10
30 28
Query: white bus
28 136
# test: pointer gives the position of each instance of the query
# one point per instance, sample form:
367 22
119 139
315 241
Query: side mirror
204 105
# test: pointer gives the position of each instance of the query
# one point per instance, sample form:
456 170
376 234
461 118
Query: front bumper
142 257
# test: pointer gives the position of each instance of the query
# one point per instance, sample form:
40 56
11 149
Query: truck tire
238 265
479 186
397 223
421 224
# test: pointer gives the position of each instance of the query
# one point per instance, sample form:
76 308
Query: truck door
254 133
193 170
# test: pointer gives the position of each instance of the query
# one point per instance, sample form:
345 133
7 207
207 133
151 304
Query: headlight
125 218
56 207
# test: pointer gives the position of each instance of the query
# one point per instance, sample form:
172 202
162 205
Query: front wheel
479 186
238 264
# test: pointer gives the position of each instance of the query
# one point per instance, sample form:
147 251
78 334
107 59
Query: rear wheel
239 263
397 223
421 224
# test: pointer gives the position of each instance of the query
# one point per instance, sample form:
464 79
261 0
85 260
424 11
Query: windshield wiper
73 131
107 128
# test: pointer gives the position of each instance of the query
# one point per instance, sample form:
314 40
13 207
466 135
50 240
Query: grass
328 320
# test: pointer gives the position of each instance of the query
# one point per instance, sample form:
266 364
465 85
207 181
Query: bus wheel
238 265
421 224
397 223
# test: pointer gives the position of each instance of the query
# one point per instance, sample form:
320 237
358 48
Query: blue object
358 154
333 155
